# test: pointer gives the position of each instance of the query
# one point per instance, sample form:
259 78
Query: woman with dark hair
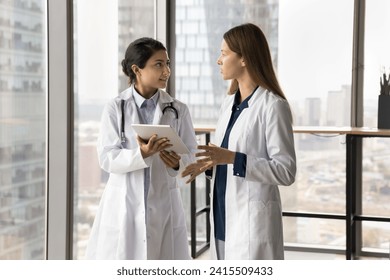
141 215
256 152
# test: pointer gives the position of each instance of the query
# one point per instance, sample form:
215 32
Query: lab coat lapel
224 120
163 99
131 106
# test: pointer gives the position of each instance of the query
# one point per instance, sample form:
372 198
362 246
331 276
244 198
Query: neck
146 93
246 89
246 85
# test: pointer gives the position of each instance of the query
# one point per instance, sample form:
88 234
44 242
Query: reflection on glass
99 44
22 129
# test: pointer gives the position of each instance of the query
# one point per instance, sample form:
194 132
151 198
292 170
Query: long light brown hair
250 43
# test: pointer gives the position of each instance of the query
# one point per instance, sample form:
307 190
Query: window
376 158
311 47
99 46
23 92
376 193
376 56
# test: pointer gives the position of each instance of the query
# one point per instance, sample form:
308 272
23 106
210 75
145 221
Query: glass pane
376 237
315 58
314 71
23 93
201 234
99 45
320 181
376 177
199 29
376 56
324 233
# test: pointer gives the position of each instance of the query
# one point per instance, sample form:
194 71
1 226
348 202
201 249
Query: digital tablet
145 131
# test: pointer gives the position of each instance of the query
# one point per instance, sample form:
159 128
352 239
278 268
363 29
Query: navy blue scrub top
239 169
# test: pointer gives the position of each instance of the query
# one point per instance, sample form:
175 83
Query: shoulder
113 103
270 99
276 106
166 98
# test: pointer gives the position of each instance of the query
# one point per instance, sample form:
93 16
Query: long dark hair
249 42
138 53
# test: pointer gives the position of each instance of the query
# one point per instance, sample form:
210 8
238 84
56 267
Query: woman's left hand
212 156
171 159
194 169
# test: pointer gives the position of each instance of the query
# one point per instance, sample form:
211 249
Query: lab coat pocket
262 223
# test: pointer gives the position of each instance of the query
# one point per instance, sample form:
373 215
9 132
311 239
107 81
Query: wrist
232 157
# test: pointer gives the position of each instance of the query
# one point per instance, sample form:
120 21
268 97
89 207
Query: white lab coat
263 131
119 230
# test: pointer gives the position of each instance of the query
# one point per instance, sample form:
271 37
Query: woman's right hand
153 145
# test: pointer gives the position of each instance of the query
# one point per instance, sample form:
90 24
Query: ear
135 69
243 62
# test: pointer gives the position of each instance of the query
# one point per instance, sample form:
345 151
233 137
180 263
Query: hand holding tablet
145 131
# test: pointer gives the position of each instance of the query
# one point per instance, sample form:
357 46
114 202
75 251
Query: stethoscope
168 107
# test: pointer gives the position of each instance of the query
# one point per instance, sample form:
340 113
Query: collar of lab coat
163 98
256 95
139 99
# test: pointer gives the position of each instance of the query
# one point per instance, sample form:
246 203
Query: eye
158 64
168 63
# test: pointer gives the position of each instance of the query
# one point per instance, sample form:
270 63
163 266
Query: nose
219 61
167 71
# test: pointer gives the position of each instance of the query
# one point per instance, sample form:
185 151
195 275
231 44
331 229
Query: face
231 64
155 74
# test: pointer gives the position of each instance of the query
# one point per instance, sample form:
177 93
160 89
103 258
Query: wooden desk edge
323 130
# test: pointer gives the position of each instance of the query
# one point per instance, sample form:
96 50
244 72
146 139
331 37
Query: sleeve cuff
209 173
239 166
172 172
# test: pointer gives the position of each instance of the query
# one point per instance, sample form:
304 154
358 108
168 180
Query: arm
280 166
113 157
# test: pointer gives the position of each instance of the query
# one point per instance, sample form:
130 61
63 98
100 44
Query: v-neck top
239 168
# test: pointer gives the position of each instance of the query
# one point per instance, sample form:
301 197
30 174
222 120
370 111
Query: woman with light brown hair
255 153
